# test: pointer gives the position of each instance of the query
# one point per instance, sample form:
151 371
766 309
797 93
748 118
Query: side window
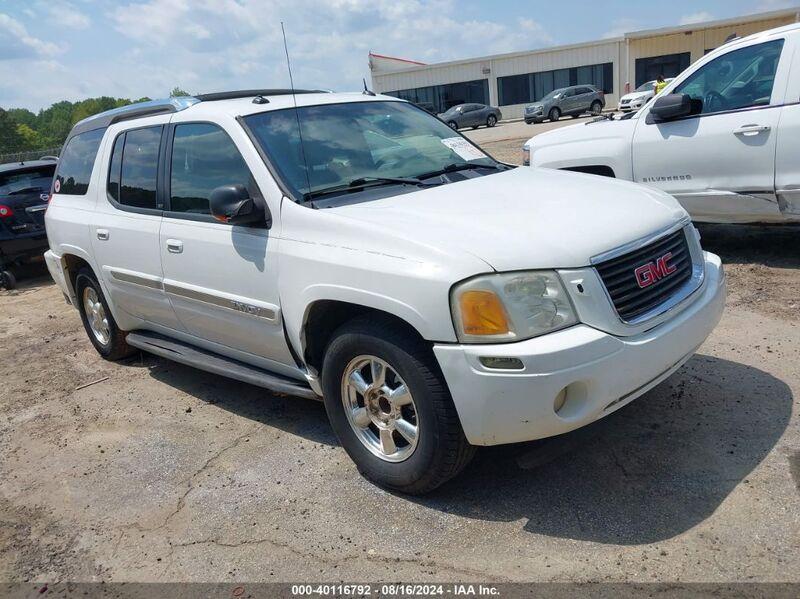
76 162
114 168
139 168
739 79
203 158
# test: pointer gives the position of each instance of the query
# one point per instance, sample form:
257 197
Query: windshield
646 87
343 143
553 94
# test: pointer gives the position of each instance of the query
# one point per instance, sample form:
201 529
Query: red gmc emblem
649 273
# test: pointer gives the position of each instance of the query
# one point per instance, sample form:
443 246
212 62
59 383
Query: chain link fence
29 155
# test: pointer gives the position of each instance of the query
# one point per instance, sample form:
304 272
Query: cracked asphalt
160 472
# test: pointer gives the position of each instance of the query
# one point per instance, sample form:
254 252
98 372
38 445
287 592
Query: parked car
427 106
639 97
24 191
573 101
435 298
723 137
471 115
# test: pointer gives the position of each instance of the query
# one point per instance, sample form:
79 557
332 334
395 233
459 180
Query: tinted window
738 79
76 162
203 158
113 170
27 181
140 168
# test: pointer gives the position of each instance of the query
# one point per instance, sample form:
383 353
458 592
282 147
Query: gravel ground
158 472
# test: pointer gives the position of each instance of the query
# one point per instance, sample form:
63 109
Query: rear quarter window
76 162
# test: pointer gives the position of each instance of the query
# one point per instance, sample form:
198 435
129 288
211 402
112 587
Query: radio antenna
296 113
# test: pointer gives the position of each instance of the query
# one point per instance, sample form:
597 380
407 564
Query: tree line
23 130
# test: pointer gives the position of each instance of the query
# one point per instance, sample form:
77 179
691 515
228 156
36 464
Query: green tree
31 140
178 92
10 140
23 116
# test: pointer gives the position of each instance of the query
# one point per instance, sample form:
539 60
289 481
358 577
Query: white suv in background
723 138
353 247
638 97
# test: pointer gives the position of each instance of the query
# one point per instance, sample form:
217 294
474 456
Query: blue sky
72 49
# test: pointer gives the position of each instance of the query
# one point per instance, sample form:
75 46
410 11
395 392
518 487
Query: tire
474 127
596 108
574 116
440 450
7 279
453 125
554 114
114 347
491 120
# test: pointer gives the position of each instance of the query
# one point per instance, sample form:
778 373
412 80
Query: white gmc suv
723 137
353 247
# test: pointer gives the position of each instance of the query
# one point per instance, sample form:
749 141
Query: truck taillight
6 211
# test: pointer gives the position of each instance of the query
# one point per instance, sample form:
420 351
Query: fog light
502 363
560 399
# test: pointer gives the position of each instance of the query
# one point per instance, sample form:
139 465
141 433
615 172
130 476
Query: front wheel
453 125
390 408
102 329
554 114
491 121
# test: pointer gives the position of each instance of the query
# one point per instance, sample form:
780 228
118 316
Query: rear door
221 279
720 162
126 223
24 192
787 165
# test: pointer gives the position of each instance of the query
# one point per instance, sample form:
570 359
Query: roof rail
247 93
131 111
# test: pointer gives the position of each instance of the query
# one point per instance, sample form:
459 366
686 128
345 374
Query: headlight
526 155
508 307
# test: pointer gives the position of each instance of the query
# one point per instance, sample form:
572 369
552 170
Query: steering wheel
713 101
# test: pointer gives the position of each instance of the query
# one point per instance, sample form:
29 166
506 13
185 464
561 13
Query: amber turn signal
482 313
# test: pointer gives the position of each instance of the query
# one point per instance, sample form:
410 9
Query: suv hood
523 218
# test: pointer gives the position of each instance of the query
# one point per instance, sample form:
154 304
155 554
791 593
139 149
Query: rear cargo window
27 181
76 162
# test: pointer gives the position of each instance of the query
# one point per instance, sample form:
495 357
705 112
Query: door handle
750 130
102 234
174 246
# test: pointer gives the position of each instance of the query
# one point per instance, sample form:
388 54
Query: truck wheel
102 329
554 114
7 279
596 108
390 407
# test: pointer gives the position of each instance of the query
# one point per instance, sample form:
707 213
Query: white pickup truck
723 137
353 247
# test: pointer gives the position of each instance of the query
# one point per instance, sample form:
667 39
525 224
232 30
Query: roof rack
246 93
154 107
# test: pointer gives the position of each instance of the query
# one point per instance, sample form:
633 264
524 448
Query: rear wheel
102 329
554 114
491 121
390 408
596 108
7 279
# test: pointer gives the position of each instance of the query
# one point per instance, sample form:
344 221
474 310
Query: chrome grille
619 276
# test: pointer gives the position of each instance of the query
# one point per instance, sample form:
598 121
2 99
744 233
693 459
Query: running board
191 355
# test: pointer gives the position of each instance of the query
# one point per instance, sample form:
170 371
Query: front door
221 279
719 162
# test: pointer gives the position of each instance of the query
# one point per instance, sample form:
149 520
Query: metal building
615 65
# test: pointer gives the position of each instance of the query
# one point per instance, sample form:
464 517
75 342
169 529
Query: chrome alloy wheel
96 316
380 409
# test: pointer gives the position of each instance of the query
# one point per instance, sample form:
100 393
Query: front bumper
600 372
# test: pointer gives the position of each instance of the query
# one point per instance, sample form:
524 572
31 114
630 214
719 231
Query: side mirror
232 204
671 106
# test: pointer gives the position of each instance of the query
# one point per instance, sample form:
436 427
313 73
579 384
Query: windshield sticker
463 148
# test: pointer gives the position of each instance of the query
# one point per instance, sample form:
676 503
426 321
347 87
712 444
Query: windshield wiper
363 183
452 168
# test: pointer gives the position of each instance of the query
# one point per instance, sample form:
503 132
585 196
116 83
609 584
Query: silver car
573 101
471 115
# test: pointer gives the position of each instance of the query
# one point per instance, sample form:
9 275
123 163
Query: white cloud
16 42
64 14
696 17
620 27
